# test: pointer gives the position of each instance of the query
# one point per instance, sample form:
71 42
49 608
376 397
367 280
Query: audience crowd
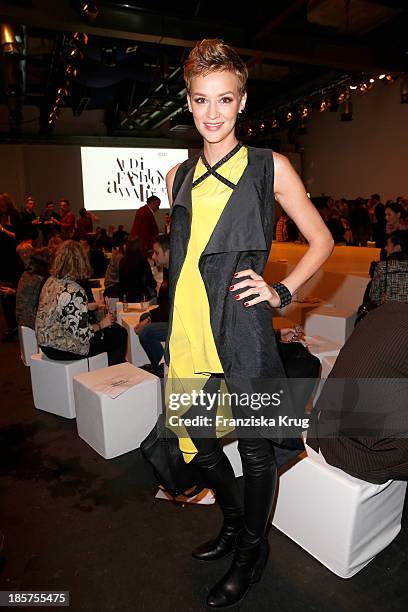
47 260
356 222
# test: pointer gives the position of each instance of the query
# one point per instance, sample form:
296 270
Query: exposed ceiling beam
164 30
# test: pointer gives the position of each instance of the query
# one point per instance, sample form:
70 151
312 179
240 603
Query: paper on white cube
110 426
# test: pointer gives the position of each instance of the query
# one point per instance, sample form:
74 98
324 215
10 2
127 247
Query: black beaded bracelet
284 294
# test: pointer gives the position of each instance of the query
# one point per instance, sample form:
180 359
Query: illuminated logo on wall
123 178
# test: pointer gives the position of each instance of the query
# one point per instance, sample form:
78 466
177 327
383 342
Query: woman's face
215 101
391 216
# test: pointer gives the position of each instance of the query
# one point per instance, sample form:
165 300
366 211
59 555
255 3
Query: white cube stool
28 344
331 323
340 520
135 352
113 427
51 382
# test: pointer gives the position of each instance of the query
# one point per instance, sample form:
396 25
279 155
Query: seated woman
30 284
395 217
62 324
135 276
389 282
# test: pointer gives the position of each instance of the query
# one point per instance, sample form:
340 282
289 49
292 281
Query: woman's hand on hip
254 286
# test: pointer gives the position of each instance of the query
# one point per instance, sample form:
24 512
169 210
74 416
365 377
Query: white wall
367 155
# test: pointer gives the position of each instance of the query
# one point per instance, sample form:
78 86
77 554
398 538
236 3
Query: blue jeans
151 338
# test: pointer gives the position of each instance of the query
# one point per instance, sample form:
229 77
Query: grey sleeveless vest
244 337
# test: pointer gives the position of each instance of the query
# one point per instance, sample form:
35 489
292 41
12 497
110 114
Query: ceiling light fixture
89 10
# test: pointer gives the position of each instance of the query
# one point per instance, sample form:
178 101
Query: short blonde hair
71 260
212 55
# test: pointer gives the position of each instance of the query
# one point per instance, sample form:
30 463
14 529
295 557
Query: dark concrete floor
74 521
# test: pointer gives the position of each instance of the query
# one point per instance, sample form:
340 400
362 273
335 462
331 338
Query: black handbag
298 361
161 447
161 450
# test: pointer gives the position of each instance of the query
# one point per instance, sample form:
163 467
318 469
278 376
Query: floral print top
62 317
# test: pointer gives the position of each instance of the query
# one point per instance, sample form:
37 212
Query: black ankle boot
219 476
223 544
246 569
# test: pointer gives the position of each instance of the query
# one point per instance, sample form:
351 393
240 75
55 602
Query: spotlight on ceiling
89 10
75 54
341 97
324 105
80 38
363 88
305 111
11 42
71 72
386 77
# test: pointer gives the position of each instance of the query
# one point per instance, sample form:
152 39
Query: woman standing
220 305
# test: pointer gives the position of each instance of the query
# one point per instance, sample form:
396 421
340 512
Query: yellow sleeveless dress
193 354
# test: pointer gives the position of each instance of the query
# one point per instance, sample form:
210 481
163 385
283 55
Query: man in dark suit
360 421
144 226
153 326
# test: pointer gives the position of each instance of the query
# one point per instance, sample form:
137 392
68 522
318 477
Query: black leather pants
260 475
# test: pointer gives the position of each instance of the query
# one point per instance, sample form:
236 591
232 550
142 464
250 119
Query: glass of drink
145 301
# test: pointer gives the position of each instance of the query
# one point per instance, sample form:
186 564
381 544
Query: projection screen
122 178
